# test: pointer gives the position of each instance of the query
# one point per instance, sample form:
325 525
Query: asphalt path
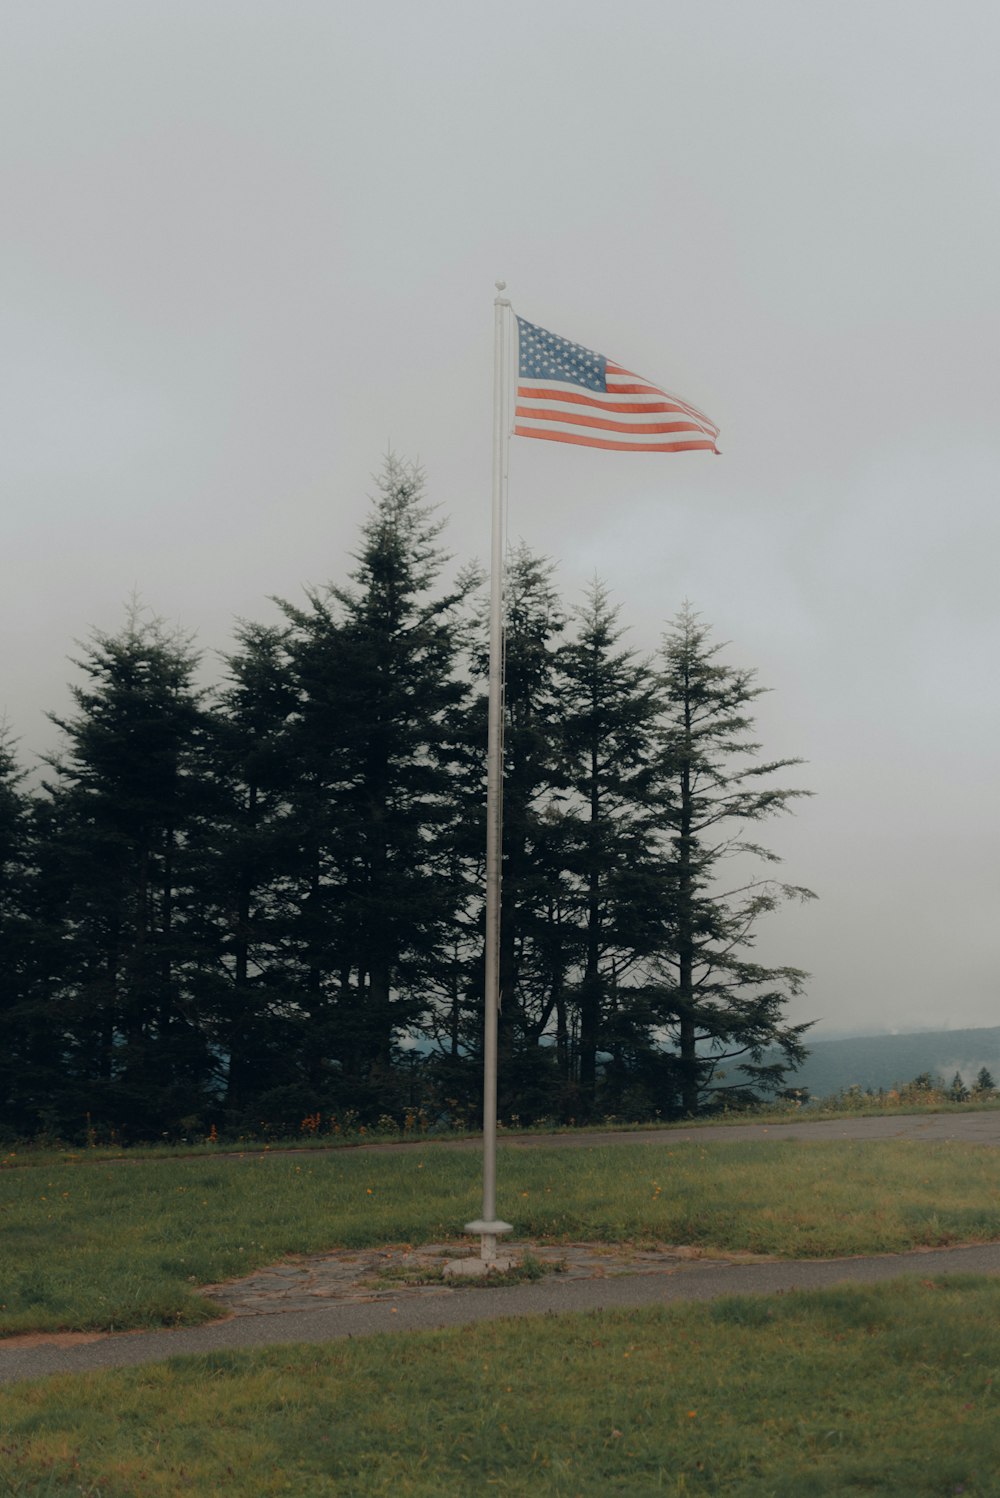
22 1358
967 1128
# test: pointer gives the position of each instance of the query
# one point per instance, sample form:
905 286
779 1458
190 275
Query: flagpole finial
501 300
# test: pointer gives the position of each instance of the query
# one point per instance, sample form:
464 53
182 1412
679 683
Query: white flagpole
488 1226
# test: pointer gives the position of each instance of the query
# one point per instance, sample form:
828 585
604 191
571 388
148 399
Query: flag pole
488 1226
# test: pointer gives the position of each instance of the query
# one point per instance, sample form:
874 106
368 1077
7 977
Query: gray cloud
248 246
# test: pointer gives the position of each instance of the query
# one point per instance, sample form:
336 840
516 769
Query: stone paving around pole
399 1271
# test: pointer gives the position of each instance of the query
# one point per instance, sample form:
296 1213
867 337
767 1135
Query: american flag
567 393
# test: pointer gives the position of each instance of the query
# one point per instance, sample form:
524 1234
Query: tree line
260 901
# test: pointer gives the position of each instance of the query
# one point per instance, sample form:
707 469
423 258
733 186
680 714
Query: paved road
698 1280
970 1128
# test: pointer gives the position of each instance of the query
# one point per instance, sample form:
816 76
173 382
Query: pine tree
18 1055
539 938
14 859
374 667
609 707
125 791
241 864
717 1004
984 1083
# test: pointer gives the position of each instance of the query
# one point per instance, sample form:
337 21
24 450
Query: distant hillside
874 1061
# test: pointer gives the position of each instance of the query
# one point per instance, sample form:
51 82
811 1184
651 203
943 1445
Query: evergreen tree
717 1005
539 937
455 981
17 1055
984 1083
14 861
242 857
374 667
609 706
923 1082
125 792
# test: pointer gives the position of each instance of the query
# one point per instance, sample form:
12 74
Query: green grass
119 1245
893 1390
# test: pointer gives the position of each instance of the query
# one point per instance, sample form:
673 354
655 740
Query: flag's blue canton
545 356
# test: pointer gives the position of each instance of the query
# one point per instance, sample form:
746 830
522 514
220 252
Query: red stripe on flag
575 418
579 440
540 393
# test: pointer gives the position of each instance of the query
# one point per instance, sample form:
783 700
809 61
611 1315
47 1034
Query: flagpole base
488 1258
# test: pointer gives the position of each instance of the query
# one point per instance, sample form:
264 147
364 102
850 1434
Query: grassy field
853 1391
88 1245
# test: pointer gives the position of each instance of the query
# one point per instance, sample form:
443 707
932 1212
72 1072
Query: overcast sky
248 247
